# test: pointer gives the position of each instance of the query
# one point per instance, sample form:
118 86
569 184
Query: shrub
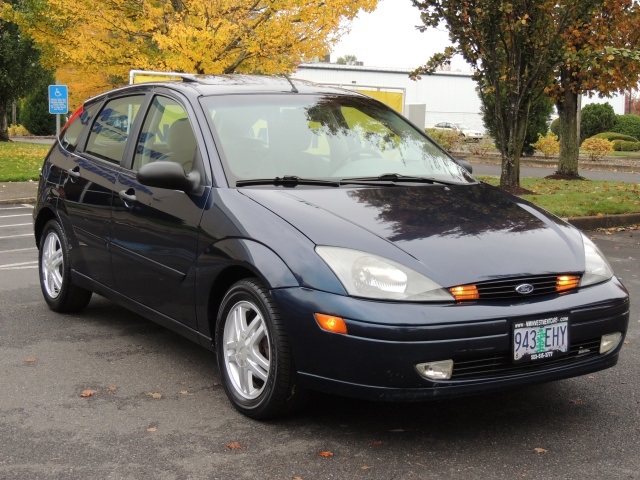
628 125
18 131
611 136
597 148
35 114
596 118
625 146
548 145
448 139
537 123
481 148
555 127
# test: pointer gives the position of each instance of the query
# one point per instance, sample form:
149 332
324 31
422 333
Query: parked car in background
316 240
464 131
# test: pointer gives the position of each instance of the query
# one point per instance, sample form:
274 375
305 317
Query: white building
441 97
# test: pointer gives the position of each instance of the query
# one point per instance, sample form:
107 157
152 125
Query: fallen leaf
297 478
325 454
88 393
376 443
152 429
540 450
364 467
112 388
185 392
157 396
626 342
30 360
216 384
576 401
397 430
234 446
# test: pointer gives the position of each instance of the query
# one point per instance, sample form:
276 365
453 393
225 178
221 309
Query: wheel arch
44 215
230 261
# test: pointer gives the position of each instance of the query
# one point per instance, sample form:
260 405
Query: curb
606 221
9 201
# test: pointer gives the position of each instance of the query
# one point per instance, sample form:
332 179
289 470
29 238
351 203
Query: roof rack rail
153 76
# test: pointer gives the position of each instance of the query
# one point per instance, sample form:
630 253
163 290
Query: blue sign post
58 102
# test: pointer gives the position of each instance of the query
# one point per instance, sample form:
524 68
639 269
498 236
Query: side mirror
464 164
169 175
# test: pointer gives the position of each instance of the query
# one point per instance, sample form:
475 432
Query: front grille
506 288
501 364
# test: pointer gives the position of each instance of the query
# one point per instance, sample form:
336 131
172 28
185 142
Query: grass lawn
21 161
580 198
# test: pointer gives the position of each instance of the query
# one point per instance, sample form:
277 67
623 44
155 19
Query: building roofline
360 68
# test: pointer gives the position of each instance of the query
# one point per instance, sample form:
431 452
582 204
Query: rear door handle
74 172
129 195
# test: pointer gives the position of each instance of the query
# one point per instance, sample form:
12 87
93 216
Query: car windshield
331 137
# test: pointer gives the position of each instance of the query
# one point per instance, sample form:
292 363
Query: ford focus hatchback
316 240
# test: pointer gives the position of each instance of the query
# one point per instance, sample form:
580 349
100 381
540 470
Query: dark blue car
316 240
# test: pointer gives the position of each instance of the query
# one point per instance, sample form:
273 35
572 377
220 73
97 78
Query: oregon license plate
540 339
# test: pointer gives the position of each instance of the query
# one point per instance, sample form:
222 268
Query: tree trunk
568 126
4 132
516 131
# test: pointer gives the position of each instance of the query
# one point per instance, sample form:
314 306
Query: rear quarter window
70 136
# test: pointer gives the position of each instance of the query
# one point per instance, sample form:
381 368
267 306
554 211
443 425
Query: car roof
208 85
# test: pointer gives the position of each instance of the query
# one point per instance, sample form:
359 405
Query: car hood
455 234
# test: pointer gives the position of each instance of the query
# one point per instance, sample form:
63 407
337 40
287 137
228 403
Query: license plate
540 339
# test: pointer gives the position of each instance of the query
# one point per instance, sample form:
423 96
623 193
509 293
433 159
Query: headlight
597 269
367 275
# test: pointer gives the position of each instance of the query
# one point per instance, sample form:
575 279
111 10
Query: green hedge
627 125
611 136
624 146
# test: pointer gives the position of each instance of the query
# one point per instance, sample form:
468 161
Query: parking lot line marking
17 236
18 250
21 264
19 215
21 207
26 267
15 225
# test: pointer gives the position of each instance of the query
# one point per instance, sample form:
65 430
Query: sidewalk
18 192
26 192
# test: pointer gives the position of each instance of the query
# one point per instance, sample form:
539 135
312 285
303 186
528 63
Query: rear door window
110 131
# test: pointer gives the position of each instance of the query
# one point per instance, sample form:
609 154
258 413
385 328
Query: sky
387 37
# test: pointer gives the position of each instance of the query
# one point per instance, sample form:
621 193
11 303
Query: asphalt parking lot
153 406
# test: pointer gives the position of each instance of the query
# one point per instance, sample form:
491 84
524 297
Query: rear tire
59 291
253 353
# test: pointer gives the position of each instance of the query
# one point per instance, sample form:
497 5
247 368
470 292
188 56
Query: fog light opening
610 341
331 323
440 370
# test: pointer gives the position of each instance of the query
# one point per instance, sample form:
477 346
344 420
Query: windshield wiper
391 177
287 181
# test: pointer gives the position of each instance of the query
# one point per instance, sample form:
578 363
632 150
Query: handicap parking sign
58 99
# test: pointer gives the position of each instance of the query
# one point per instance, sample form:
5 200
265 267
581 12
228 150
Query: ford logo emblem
525 288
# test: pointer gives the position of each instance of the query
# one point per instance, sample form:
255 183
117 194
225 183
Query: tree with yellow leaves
199 36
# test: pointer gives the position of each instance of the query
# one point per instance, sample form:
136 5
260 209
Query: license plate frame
539 339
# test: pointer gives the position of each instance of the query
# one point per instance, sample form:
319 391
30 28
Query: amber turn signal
331 324
465 292
567 282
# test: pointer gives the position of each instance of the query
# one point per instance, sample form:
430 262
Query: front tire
253 353
60 293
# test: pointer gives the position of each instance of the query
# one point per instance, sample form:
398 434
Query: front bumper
377 358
